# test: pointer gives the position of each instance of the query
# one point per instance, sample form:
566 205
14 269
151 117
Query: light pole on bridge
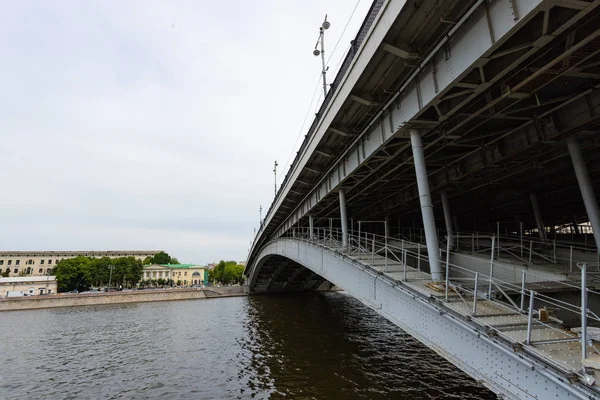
275 173
325 25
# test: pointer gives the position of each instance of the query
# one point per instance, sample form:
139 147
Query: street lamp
324 26
275 173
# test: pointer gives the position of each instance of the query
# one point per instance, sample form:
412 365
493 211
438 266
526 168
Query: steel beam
447 218
343 218
585 185
537 213
426 206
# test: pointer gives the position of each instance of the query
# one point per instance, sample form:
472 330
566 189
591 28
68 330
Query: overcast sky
153 124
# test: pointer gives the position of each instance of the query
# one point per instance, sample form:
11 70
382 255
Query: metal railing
460 283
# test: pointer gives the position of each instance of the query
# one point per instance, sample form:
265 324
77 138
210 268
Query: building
28 285
40 263
188 274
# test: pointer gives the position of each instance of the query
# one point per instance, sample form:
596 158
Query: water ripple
302 346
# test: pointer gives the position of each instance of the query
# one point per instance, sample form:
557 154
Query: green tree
161 258
226 272
6 273
73 273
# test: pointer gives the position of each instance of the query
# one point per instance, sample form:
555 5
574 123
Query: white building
28 285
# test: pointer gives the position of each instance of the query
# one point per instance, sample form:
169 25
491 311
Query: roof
25 279
181 266
79 253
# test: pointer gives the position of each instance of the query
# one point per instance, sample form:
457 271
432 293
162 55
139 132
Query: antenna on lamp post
275 173
324 26
260 214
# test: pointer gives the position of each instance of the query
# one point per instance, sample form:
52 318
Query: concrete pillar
585 186
343 218
433 249
447 218
538 216
311 226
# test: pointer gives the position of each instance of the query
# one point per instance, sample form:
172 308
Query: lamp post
324 26
260 215
275 173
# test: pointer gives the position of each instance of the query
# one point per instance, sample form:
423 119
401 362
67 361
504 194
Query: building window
29 262
18 262
9 262
49 261
16 271
1 262
41 270
42 262
185 274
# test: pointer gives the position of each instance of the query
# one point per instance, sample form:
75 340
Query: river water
300 346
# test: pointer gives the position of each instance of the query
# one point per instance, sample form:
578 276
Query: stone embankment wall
137 296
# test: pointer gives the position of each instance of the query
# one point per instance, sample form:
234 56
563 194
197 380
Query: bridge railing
468 286
524 249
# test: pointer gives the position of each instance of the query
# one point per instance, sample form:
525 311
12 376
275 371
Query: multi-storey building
39 263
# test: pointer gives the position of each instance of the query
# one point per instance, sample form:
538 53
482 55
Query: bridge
448 182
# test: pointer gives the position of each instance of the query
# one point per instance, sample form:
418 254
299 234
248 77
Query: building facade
28 285
187 274
40 263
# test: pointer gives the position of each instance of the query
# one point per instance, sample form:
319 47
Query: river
300 346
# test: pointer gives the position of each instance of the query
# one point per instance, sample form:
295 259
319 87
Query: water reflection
328 345
300 346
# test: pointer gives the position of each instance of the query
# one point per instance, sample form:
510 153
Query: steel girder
452 60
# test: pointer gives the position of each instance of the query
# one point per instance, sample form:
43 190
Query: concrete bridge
448 182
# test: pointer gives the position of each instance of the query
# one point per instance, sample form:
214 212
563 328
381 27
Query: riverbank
136 296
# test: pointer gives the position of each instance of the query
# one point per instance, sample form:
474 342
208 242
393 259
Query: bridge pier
538 216
433 249
343 217
447 218
585 186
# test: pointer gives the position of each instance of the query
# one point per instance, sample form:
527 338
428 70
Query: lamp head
316 52
326 24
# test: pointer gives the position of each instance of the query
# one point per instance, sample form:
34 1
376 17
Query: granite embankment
136 296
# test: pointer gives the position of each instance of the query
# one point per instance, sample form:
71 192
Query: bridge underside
278 273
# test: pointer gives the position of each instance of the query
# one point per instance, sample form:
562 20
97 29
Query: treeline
226 272
161 258
81 273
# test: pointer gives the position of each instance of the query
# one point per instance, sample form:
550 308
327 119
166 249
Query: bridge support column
538 216
447 218
433 249
386 227
585 185
311 227
343 217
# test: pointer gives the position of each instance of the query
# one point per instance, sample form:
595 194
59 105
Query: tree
6 273
226 272
73 274
161 258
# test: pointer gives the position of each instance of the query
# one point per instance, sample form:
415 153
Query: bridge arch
458 339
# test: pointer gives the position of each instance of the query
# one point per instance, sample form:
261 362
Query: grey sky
153 124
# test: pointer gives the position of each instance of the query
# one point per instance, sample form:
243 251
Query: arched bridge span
503 365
